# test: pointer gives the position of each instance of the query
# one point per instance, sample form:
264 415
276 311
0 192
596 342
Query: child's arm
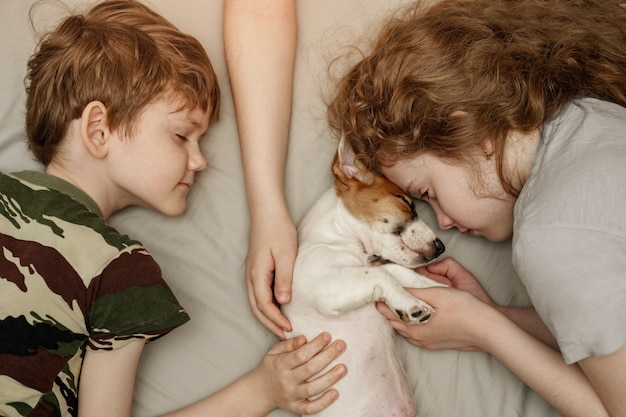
280 380
107 379
260 47
608 376
450 272
463 320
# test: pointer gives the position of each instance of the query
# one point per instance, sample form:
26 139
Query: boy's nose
197 161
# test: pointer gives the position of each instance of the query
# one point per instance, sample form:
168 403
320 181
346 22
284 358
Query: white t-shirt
569 241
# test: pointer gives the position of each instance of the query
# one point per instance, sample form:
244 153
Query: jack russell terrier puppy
363 219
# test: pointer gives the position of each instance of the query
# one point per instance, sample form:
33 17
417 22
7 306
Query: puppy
364 218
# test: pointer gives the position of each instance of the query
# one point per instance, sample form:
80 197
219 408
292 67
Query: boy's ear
94 128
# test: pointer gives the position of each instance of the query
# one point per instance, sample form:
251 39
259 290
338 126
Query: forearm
259 39
242 398
528 319
542 368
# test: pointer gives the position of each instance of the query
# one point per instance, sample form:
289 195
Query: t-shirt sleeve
576 278
130 300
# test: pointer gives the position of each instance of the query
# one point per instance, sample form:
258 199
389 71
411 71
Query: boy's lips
185 184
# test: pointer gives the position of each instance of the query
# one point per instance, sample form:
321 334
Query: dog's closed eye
399 230
377 259
409 202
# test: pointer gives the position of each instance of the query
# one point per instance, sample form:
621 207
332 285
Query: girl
508 117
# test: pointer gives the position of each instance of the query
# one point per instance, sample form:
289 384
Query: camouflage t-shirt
68 283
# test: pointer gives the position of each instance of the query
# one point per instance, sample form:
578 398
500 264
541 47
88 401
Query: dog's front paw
418 313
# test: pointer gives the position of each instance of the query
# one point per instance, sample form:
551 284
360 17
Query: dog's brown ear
346 163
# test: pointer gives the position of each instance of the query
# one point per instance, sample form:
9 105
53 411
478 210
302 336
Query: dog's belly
375 385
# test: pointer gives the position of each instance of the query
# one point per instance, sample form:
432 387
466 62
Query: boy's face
155 165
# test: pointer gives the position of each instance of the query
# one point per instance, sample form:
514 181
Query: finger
255 302
305 354
288 345
270 324
407 331
448 267
283 276
434 276
308 407
324 381
320 362
260 295
387 312
277 320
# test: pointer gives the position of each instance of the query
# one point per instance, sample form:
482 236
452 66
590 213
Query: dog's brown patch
380 200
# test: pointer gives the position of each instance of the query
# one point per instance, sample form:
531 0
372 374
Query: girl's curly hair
443 79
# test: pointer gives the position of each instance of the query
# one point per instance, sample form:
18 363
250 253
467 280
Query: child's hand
289 372
269 268
460 322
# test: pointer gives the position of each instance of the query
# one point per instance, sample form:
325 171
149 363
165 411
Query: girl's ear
488 148
94 129
346 161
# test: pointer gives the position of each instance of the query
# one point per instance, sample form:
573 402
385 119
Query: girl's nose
443 220
445 223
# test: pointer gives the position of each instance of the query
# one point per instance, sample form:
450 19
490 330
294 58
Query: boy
118 100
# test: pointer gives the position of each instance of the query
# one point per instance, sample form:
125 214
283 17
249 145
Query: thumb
283 277
447 267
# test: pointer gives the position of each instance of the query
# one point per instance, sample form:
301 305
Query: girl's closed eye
181 137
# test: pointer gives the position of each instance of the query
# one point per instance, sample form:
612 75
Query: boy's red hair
120 53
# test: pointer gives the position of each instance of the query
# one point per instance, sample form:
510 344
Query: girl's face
155 167
448 189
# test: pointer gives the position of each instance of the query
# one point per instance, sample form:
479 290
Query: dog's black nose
439 247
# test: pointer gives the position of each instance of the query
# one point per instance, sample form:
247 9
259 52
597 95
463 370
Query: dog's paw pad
403 315
416 314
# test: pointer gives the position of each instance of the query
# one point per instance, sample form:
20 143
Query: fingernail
283 297
341 346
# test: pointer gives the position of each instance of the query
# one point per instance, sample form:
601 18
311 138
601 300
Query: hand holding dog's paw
409 308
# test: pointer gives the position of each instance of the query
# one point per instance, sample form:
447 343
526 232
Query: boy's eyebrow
187 118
